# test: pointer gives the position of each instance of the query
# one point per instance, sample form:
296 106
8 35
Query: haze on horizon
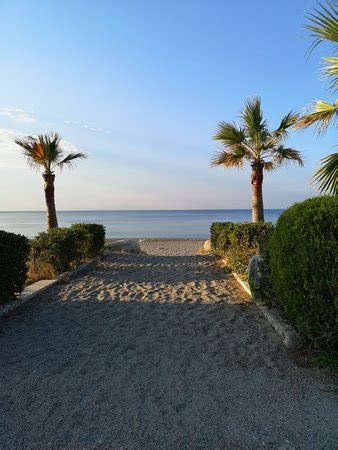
140 87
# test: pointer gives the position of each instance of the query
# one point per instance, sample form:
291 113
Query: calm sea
131 224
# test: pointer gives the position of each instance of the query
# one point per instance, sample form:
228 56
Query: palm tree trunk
257 192
50 201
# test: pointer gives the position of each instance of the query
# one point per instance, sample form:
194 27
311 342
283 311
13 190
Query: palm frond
69 159
229 134
230 159
45 151
269 166
331 71
322 115
33 151
253 121
323 24
288 121
284 155
325 178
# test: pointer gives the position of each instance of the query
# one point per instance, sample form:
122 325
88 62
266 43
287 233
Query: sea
134 224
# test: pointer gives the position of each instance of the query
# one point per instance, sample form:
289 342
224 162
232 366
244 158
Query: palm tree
44 151
254 142
323 24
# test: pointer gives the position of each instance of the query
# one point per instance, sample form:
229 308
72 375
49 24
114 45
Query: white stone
123 245
207 246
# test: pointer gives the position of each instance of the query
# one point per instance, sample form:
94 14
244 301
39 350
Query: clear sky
140 86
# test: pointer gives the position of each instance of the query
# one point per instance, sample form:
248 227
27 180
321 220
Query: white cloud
87 127
10 154
17 114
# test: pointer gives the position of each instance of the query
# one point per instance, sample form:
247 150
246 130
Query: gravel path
158 350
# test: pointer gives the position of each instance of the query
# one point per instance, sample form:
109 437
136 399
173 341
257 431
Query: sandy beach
156 350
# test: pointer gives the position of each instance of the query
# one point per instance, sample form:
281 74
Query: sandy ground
158 350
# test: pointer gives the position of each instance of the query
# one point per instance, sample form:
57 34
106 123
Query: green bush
219 236
92 238
303 259
55 251
14 251
238 242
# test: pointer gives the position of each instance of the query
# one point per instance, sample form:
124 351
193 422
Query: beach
155 350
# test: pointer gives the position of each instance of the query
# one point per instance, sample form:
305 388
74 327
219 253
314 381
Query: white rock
207 246
123 245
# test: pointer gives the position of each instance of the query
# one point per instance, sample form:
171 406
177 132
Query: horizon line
139 210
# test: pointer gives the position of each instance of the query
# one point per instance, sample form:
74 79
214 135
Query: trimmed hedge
238 242
303 260
14 251
55 251
60 249
92 238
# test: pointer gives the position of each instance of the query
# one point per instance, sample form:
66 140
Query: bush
238 242
92 238
219 236
14 251
55 251
303 268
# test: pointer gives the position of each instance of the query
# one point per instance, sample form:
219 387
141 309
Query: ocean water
134 224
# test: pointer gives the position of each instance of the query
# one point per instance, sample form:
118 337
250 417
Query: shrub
238 242
219 236
55 251
92 238
303 268
14 250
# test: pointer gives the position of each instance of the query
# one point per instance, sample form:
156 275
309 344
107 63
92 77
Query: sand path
158 350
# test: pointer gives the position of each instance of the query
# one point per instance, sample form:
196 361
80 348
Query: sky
140 86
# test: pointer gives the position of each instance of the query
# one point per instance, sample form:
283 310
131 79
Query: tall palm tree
253 141
44 151
323 24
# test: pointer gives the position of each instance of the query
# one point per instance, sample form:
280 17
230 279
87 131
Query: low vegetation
299 268
60 249
46 256
92 238
303 269
238 242
14 251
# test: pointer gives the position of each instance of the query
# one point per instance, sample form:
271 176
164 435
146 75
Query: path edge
35 289
289 336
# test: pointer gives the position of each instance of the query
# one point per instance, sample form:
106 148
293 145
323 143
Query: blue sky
140 87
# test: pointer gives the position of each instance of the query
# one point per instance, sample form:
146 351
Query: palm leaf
230 159
45 151
287 122
269 165
323 24
33 151
322 115
69 159
252 117
229 134
331 71
284 155
325 178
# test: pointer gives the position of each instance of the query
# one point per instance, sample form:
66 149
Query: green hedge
303 260
60 249
14 251
55 251
92 238
238 242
